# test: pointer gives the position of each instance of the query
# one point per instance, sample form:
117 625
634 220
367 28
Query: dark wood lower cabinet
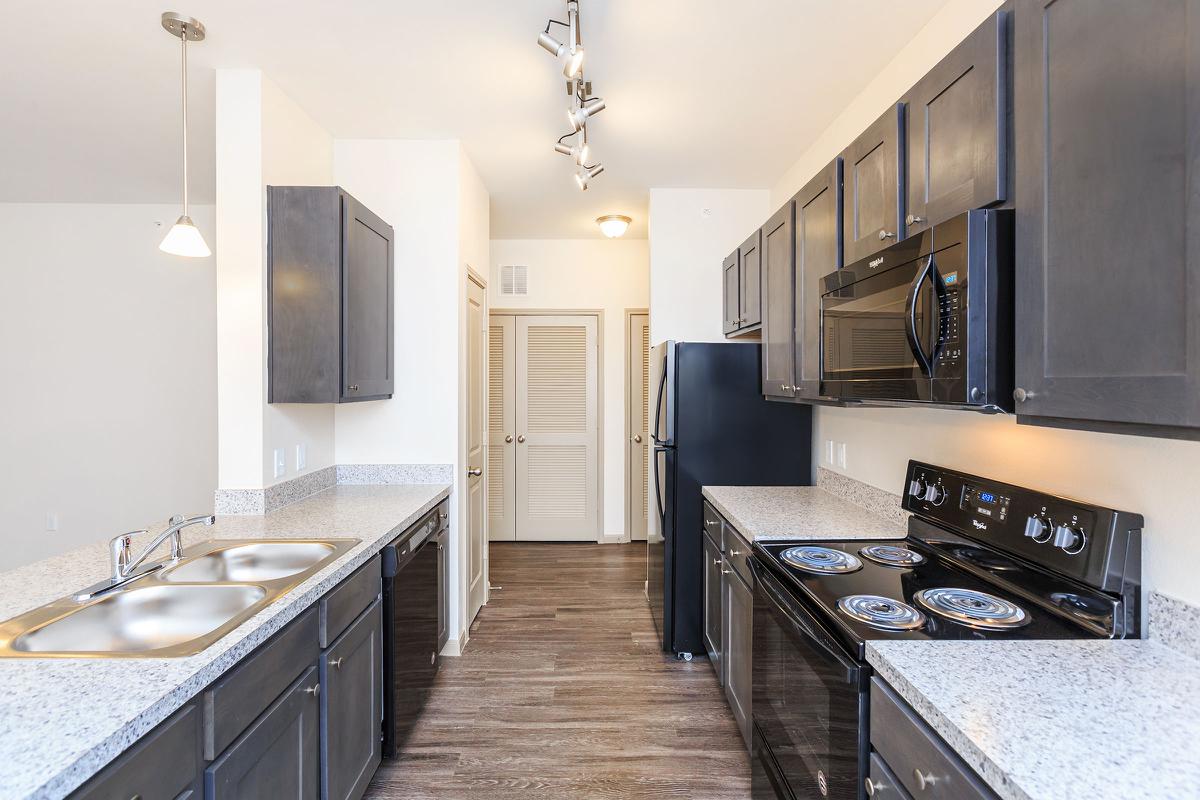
277 756
351 708
729 616
712 606
739 641
164 765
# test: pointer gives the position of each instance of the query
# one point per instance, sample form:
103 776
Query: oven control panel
1089 542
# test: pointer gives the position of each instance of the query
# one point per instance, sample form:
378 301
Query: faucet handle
119 553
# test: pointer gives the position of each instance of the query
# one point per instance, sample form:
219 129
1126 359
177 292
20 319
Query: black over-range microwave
926 321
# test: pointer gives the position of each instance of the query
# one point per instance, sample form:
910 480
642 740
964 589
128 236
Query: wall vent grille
514 281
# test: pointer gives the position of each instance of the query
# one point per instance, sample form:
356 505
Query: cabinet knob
734 553
873 786
433 657
315 691
352 387
508 438
716 562
637 438
924 779
1021 395
337 663
885 235
912 219
726 571
521 439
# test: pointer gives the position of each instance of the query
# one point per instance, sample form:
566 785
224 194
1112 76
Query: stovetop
1049 607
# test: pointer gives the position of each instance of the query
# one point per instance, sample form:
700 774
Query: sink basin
141 620
250 563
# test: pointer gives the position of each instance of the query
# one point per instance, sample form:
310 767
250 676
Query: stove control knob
1069 539
916 488
935 494
1037 529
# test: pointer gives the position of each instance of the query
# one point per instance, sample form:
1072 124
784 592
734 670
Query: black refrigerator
712 427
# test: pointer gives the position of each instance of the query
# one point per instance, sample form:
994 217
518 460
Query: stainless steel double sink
175 609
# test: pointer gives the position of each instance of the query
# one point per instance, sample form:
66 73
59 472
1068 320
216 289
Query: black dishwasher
412 610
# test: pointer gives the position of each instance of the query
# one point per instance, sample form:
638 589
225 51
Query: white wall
432 196
1155 477
108 416
608 275
262 138
691 233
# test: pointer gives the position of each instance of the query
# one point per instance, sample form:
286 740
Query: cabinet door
778 318
874 186
367 303
957 120
164 765
443 591
1107 99
351 708
739 640
278 755
750 267
818 253
712 606
733 288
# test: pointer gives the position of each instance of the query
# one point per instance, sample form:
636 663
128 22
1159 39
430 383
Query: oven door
809 703
878 335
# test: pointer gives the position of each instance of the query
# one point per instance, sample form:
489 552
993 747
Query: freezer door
659 545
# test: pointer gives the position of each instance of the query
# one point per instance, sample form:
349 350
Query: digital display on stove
986 497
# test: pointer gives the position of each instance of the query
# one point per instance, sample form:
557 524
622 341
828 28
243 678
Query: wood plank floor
563 692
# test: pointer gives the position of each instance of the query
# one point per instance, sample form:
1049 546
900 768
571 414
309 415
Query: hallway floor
563 692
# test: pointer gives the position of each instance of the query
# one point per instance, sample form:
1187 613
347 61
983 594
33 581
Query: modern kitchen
793 419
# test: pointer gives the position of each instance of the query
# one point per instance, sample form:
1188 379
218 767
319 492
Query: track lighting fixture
569 53
586 174
184 238
578 152
587 109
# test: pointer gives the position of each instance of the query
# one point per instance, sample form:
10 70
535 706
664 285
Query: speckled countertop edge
91 710
1026 716
763 513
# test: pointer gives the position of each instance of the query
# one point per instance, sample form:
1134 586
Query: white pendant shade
184 239
614 225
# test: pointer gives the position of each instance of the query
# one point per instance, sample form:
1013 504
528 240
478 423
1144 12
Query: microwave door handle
910 320
818 640
941 300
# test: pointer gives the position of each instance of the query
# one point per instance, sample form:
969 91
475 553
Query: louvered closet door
502 429
557 428
639 424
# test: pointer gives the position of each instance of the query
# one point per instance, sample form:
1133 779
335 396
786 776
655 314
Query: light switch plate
301 456
841 454
280 463
51 520
829 452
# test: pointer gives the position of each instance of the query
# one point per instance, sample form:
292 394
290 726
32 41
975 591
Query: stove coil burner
881 612
824 560
976 609
892 556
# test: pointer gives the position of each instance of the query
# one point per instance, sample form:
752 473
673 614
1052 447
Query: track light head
585 175
578 117
570 57
579 152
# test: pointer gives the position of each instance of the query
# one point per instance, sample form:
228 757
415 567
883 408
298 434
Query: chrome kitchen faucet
123 568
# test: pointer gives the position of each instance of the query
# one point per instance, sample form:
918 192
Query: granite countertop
798 512
62 720
1051 720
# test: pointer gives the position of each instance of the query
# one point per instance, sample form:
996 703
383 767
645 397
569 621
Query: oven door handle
910 319
803 625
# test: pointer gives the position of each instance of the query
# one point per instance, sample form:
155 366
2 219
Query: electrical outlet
841 455
301 456
51 520
280 463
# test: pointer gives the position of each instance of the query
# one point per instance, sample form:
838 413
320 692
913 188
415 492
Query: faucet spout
174 525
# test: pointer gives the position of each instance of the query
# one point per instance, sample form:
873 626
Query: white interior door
476 485
502 429
557 428
637 384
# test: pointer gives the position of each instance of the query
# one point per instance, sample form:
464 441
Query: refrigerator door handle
662 511
658 407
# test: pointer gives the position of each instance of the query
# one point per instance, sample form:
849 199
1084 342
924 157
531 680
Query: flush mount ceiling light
569 53
586 174
613 225
184 238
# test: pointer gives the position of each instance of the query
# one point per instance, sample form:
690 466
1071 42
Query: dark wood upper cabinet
957 122
1107 105
732 283
750 258
818 231
331 297
778 318
874 187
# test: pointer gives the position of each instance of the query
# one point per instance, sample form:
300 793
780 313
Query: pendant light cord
183 37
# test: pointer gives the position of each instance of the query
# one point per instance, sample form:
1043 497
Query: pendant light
613 225
184 238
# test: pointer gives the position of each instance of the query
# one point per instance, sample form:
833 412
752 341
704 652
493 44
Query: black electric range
982 560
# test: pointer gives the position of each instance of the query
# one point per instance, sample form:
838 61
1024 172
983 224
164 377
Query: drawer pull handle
337 662
924 780
315 691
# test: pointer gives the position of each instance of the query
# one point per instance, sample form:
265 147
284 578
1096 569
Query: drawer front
881 784
737 553
712 524
164 765
240 695
348 599
924 764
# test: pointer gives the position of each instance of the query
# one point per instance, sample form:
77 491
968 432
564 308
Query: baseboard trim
452 649
613 538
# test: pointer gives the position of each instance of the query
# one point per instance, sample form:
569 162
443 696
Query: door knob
521 439
637 438
508 438
474 472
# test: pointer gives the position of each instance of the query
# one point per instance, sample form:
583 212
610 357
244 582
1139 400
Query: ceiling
700 93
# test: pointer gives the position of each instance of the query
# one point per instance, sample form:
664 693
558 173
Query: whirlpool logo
979 526
875 262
